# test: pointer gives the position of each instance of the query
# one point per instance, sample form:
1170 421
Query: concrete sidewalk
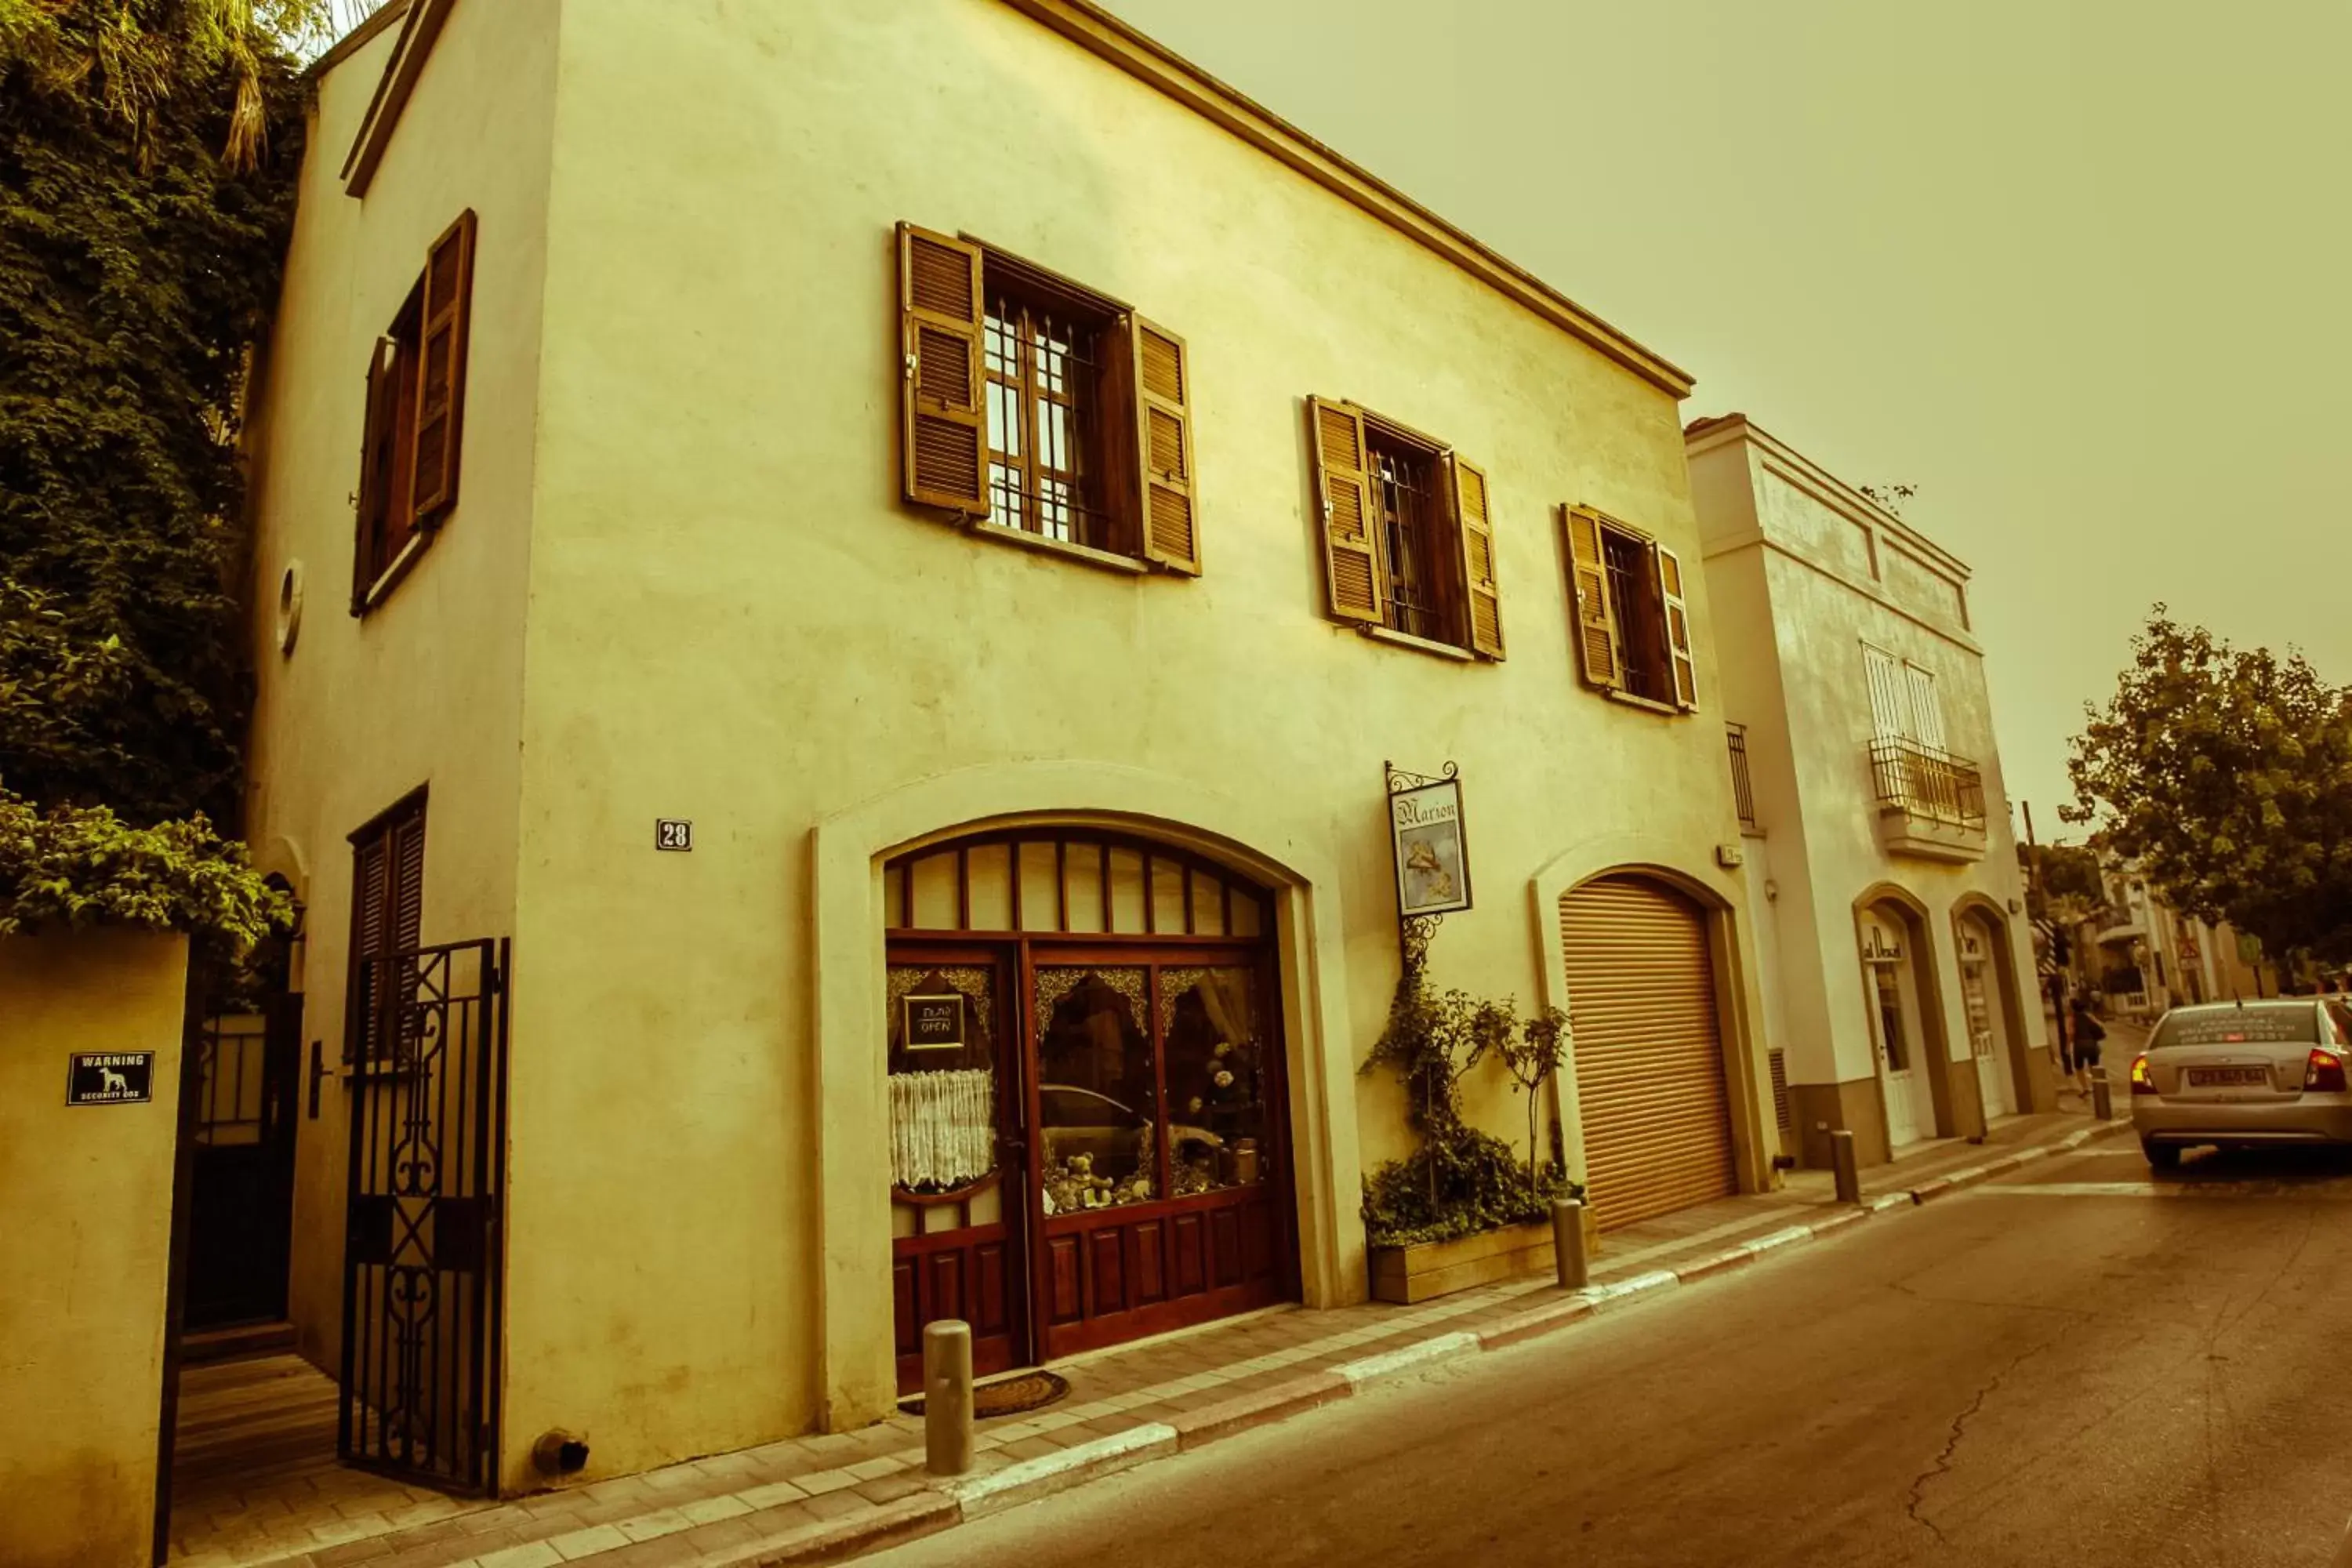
815 1498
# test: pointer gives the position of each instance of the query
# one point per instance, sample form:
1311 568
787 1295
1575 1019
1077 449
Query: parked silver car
2239 1074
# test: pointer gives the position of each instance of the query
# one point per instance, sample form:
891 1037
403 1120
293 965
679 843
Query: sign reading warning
111 1078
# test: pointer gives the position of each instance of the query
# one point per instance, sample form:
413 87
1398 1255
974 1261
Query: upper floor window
1632 624
1408 543
1038 408
1905 704
415 418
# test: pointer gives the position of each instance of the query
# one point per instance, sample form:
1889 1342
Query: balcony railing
1742 791
1926 784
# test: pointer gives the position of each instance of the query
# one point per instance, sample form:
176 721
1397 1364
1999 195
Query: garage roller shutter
1649 1060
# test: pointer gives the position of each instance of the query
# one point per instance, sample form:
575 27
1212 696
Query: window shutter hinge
910 365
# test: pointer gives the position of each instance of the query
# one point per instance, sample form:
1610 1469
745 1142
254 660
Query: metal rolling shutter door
1649 1060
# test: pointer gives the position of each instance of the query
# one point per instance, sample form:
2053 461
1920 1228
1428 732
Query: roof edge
351 43
1092 28
421 24
1705 434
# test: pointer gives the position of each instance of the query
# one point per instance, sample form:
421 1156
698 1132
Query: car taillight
2143 1078
2325 1073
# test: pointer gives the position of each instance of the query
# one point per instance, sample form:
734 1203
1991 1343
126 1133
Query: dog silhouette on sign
108 1080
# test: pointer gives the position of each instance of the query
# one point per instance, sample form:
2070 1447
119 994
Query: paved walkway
808 1498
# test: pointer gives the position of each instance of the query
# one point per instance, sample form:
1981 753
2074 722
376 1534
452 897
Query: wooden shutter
1890 705
943 429
1349 557
1678 639
371 866
441 372
1597 640
376 457
1927 707
1163 412
407 893
1478 530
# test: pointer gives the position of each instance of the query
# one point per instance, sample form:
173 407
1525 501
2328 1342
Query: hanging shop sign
1433 859
110 1078
934 1023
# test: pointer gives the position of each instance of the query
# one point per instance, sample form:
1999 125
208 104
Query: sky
2081 270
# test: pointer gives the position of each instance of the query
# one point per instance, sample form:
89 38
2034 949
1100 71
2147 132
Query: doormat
1012 1396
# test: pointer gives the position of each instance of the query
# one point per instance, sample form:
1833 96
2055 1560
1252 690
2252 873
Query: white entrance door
1898 1054
1987 1037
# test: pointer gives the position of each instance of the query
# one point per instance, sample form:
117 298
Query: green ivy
81 866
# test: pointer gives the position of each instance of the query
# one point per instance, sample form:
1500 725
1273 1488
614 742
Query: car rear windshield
2273 1023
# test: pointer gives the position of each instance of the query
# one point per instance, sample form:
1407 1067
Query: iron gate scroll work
420 1244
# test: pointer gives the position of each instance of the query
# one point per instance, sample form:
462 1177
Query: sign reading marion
110 1078
1433 864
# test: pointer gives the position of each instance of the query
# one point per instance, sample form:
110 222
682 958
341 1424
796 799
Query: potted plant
1460 1210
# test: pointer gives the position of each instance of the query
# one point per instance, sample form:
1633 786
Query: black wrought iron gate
422 1246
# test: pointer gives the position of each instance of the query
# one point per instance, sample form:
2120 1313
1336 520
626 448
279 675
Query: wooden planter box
1407 1274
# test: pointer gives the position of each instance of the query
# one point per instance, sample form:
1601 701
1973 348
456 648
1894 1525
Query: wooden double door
1087 1141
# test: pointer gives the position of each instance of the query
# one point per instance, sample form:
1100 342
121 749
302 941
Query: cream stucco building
838 584
1898 973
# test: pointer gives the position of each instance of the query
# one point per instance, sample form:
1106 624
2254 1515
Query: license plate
2226 1077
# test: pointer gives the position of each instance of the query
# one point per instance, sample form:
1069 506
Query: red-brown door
1156 1099
959 1194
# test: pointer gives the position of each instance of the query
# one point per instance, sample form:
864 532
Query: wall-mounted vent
1781 1088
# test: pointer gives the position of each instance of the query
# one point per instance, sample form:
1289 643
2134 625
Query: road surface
2082 1364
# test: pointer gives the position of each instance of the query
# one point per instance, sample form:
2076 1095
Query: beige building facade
1899 967
839 587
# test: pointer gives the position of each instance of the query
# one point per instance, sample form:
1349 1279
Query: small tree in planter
1460 1181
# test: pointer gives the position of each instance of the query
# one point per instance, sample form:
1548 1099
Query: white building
1897 965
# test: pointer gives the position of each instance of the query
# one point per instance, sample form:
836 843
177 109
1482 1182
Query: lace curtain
942 1127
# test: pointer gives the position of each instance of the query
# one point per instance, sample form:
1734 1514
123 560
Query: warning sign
111 1078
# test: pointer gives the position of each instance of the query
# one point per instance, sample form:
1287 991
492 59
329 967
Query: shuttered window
414 426
1035 408
387 923
1408 532
1632 628
1649 1056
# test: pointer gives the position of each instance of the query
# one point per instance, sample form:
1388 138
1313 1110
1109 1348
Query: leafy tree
2226 775
148 155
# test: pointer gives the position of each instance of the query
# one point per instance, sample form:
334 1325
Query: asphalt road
2082 1365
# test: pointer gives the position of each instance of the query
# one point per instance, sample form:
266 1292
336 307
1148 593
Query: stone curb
949 1502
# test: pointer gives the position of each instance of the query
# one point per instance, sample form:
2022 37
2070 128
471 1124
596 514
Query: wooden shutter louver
1477 528
1162 379
371 865
944 435
376 459
1351 565
1597 638
441 372
1678 639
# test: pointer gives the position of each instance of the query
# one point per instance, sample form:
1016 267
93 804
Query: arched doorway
1643 1003
1089 1096
1908 1045
1985 1003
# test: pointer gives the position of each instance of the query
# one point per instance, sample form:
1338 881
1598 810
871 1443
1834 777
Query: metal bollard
2102 1098
1568 1243
946 1397
1849 1176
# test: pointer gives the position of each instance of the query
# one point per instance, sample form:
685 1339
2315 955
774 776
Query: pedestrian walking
2087 1032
